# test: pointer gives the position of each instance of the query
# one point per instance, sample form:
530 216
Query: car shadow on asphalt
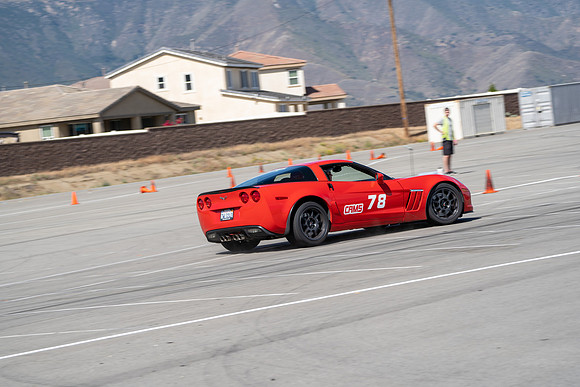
345 236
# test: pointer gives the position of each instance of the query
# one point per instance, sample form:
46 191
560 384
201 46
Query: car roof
324 162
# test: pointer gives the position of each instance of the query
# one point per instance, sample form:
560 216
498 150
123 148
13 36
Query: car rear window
285 175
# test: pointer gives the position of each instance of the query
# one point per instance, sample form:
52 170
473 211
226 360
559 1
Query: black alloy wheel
445 204
310 225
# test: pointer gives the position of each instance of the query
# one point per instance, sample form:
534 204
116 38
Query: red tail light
255 196
207 203
244 197
200 204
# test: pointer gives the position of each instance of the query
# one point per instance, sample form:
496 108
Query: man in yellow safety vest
449 141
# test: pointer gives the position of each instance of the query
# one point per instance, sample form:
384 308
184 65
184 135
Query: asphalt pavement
124 290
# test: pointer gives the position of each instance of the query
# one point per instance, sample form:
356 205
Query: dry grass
161 166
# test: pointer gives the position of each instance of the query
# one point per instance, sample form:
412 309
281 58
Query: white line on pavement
157 303
101 266
532 183
286 304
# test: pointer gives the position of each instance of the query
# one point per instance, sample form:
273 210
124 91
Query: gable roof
58 103
200 56
268 61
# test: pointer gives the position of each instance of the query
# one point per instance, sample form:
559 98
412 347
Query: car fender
427 183
324 203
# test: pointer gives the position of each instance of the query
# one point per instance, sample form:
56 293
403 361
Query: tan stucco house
243 85
57 111
287 75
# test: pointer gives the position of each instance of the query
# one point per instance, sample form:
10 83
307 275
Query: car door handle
330 186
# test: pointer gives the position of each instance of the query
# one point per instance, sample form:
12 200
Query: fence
33 157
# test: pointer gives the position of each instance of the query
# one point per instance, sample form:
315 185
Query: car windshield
285 175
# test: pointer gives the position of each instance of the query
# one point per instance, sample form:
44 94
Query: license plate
227 215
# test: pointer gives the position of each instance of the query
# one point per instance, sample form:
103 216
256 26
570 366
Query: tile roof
268 60
327 91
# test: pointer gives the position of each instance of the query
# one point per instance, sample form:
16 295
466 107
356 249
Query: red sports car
305 202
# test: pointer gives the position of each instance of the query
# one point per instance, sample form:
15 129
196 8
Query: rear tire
310 225
241 246
445 204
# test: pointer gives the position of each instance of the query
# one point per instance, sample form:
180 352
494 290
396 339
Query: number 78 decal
380 203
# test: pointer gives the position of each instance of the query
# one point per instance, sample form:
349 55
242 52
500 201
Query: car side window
347 173
289 174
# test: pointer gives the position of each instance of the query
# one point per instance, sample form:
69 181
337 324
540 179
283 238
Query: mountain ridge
447 47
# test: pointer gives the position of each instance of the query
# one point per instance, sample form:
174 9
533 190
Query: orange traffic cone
229 172
381 156
289 161
348 155
232 182
319 157
435 149
488 184
74 200
261 168
153 188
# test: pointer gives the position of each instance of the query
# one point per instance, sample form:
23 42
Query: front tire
310 225
241 246
445 204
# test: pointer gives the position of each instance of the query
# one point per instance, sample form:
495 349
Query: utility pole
399 72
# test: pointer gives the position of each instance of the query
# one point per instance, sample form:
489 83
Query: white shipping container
482 116
536 107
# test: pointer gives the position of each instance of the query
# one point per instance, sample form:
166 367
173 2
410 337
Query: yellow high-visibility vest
447 134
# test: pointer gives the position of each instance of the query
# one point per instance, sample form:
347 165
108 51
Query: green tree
491 88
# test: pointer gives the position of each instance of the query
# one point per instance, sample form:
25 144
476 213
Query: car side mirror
380 178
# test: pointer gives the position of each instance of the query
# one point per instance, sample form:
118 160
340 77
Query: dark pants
447 147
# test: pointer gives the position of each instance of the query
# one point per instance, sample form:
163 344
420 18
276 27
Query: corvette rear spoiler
222 191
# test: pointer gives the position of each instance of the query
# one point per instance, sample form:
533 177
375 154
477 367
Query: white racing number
382 199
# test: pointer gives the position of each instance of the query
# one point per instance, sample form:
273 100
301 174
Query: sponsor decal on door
350 209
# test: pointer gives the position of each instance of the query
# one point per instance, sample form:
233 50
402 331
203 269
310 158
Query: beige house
57 111
287 75
243 85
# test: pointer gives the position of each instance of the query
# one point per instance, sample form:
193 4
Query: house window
255 80
46 132
293 77
244 79
115 125
79 129
282 108
161 83
229 83
188 82
181 119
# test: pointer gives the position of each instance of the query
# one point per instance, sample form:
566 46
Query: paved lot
123 290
